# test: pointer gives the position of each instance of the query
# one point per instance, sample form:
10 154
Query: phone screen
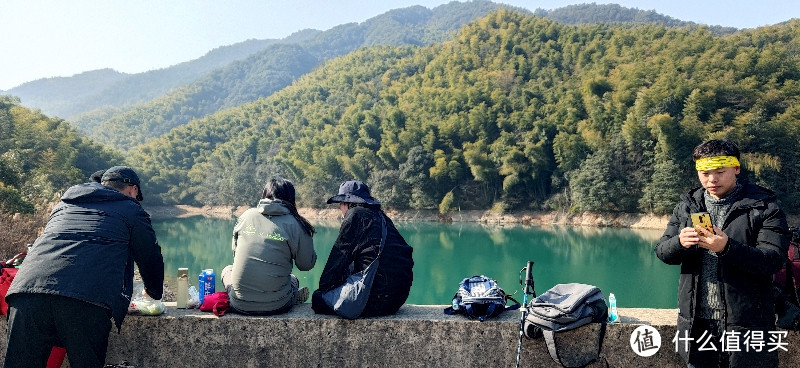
702 219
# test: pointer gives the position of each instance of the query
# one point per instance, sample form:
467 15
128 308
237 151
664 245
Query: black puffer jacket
758 242
357 243
88 249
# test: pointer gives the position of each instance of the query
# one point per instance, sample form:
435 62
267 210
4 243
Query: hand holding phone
702 220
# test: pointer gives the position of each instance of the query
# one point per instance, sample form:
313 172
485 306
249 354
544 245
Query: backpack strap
493 310
549 338
489 311
516 305
383 234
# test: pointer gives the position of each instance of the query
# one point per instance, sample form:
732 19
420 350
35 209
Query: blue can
207 283
201 286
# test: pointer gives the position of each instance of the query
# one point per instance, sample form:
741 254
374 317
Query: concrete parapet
417 336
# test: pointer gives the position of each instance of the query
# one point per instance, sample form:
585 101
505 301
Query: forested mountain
516 112
60 95
126 110
41 156
103 92
613 13
68 96
272 69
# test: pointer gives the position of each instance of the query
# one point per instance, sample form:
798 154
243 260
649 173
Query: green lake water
619 261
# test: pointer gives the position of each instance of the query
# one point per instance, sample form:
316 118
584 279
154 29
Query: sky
52 38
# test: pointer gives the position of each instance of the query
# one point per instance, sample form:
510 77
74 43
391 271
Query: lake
619 261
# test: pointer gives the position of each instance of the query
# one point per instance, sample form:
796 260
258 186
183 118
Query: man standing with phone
725 295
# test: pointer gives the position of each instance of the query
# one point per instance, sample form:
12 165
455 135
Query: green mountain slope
515 112
615 14
41 156
271 69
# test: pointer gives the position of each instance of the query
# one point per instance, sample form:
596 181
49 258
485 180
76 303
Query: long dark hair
282 190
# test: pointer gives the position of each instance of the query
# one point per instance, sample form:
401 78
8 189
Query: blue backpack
480 297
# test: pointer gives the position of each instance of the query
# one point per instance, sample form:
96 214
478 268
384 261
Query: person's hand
715 241
145 294
689 237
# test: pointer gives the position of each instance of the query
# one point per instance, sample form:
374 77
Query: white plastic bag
194 298
147 306
144 305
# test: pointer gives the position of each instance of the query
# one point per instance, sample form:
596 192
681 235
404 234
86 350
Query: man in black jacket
725 300
79 273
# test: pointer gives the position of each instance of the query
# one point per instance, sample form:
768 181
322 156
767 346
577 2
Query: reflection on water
616 260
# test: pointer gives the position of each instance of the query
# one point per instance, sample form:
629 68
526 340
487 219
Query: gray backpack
563 308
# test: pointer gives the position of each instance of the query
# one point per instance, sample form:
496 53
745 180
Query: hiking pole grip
528 278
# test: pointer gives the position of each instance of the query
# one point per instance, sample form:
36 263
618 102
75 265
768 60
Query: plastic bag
144 305
194 298
147 306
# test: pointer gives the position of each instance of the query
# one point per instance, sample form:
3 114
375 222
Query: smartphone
702 219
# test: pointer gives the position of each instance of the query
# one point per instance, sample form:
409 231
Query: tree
414 173
661 194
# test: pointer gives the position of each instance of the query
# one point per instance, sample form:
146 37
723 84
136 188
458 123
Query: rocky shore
634 221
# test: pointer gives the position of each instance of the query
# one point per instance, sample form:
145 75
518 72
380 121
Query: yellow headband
716 162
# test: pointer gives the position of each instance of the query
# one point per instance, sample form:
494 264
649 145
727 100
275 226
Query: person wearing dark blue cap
357 245
78 275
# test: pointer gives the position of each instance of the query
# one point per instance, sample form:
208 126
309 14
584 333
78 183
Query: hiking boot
302 295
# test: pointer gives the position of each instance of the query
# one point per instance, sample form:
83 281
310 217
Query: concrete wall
418 336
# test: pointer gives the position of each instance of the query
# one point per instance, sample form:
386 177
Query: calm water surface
619 261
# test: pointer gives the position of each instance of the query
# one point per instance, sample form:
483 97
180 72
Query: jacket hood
93 192
272 207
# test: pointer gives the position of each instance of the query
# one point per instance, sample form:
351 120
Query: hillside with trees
41 156
516 112
127 110
271 69
615 14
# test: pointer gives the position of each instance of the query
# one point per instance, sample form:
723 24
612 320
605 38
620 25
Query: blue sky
51 38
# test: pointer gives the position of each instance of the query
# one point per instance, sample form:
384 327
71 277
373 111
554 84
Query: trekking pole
527 289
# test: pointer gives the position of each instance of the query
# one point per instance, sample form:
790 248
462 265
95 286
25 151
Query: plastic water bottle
182 297
612 315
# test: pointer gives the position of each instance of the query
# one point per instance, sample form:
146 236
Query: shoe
302 295
124 364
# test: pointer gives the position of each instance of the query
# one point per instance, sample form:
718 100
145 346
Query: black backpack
480 297
566 307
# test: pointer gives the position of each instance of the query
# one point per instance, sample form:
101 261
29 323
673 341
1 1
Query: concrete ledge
418 336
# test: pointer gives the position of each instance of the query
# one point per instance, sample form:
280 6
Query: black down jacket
757 246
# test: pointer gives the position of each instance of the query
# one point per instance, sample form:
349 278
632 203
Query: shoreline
533 218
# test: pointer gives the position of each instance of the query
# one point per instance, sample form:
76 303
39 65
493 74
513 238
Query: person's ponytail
282 190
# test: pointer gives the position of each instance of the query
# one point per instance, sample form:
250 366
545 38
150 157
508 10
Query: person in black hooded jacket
78 274
725 289
357 246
